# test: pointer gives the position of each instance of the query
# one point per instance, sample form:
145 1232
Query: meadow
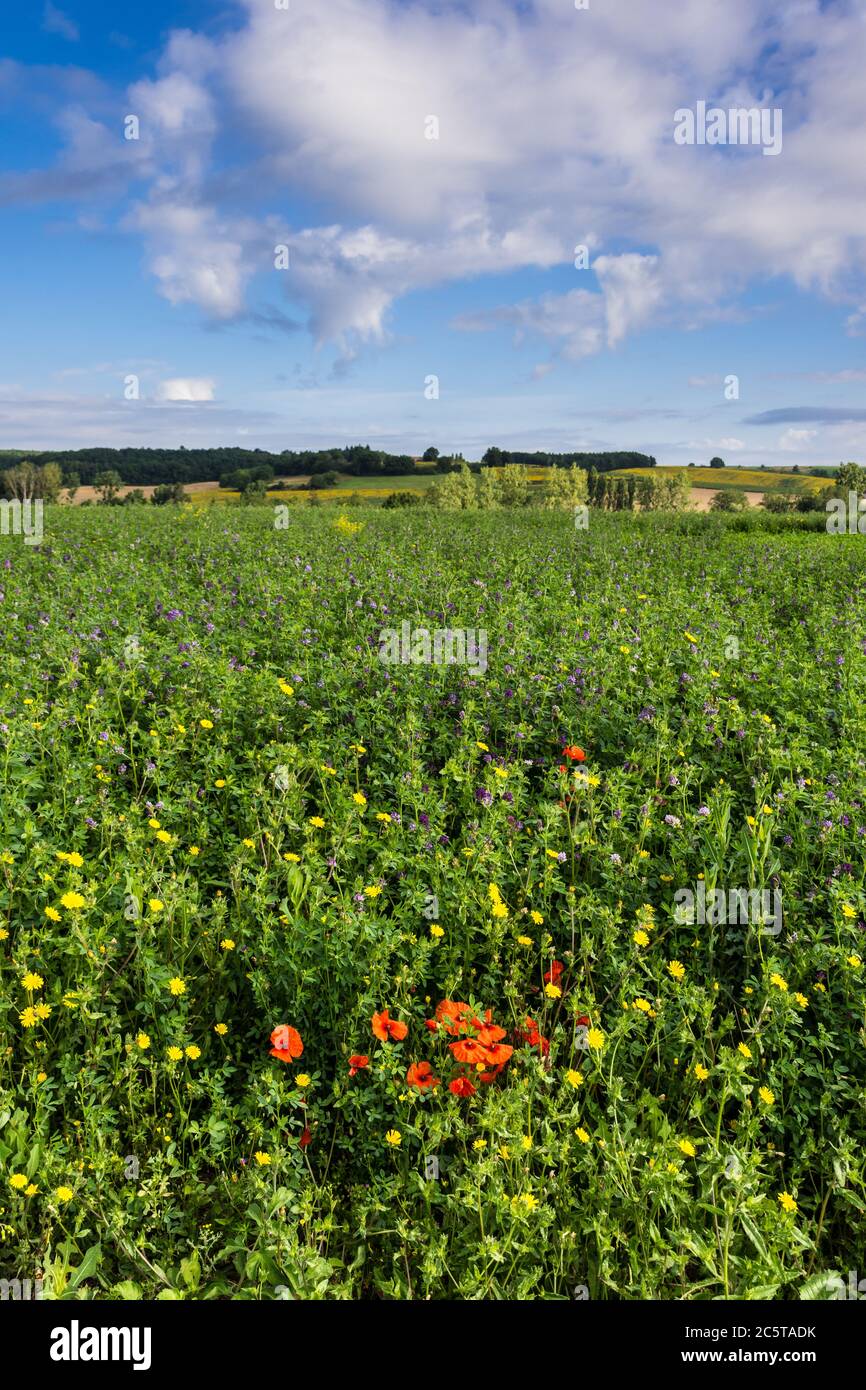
325 978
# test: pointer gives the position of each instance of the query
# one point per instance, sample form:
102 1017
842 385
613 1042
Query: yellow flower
220 782
41 1076
373 892
155 904
32 981
176 985
206 723
52 914
64 1194
504 1152
250 844
31 1190
291 858
18 1181
193 1052
436 930
500 772
27 1018
262 1158
143 1041
72 901
194 850
848 910
154 823
479 1144
582 1136
640 938
788 1203
286 688
854 961
359 798
574 1078
317 822
625 650
801 1000
221 1028
777 980
500 910
394 1138
701 1072
689 638
687 1147
526 1141
357 748
163 837
43 1010
227 944
383 816
483 747
552 991
744 1051
537 918
524 940
676 969
644 1005
174 1054
75 860
595 1038
766 1095
302 1079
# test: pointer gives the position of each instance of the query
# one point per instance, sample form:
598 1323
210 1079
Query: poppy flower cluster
530 1034
478 1044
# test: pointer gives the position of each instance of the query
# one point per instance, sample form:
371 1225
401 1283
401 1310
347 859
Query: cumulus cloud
554 127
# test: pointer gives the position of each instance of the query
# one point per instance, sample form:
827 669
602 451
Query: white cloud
54 21
733 444
186 388
555 128
793 441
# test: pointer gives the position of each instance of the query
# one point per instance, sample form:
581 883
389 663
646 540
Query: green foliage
186 695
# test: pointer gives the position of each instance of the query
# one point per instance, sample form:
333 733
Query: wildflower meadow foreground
431 905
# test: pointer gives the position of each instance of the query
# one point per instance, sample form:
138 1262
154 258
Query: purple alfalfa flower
173 614
424 819
561 857
88 820
616 858
483 796
647 714
444 840
787 840
103 738
673 780
672 820
358 898
703 810
845 820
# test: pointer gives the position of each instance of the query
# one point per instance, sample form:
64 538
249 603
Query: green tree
108 484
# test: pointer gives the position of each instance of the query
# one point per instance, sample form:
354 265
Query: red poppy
489 1034
287 1043
305 1137
553 974
498 1054
357 1062
420 1074
576 754
470 1050
532 1035
562 768
454 1017
582 1020
461 1086
385 1027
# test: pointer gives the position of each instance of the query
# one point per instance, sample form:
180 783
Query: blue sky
413 257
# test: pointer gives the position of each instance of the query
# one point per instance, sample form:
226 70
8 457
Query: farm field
324 977
743 479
